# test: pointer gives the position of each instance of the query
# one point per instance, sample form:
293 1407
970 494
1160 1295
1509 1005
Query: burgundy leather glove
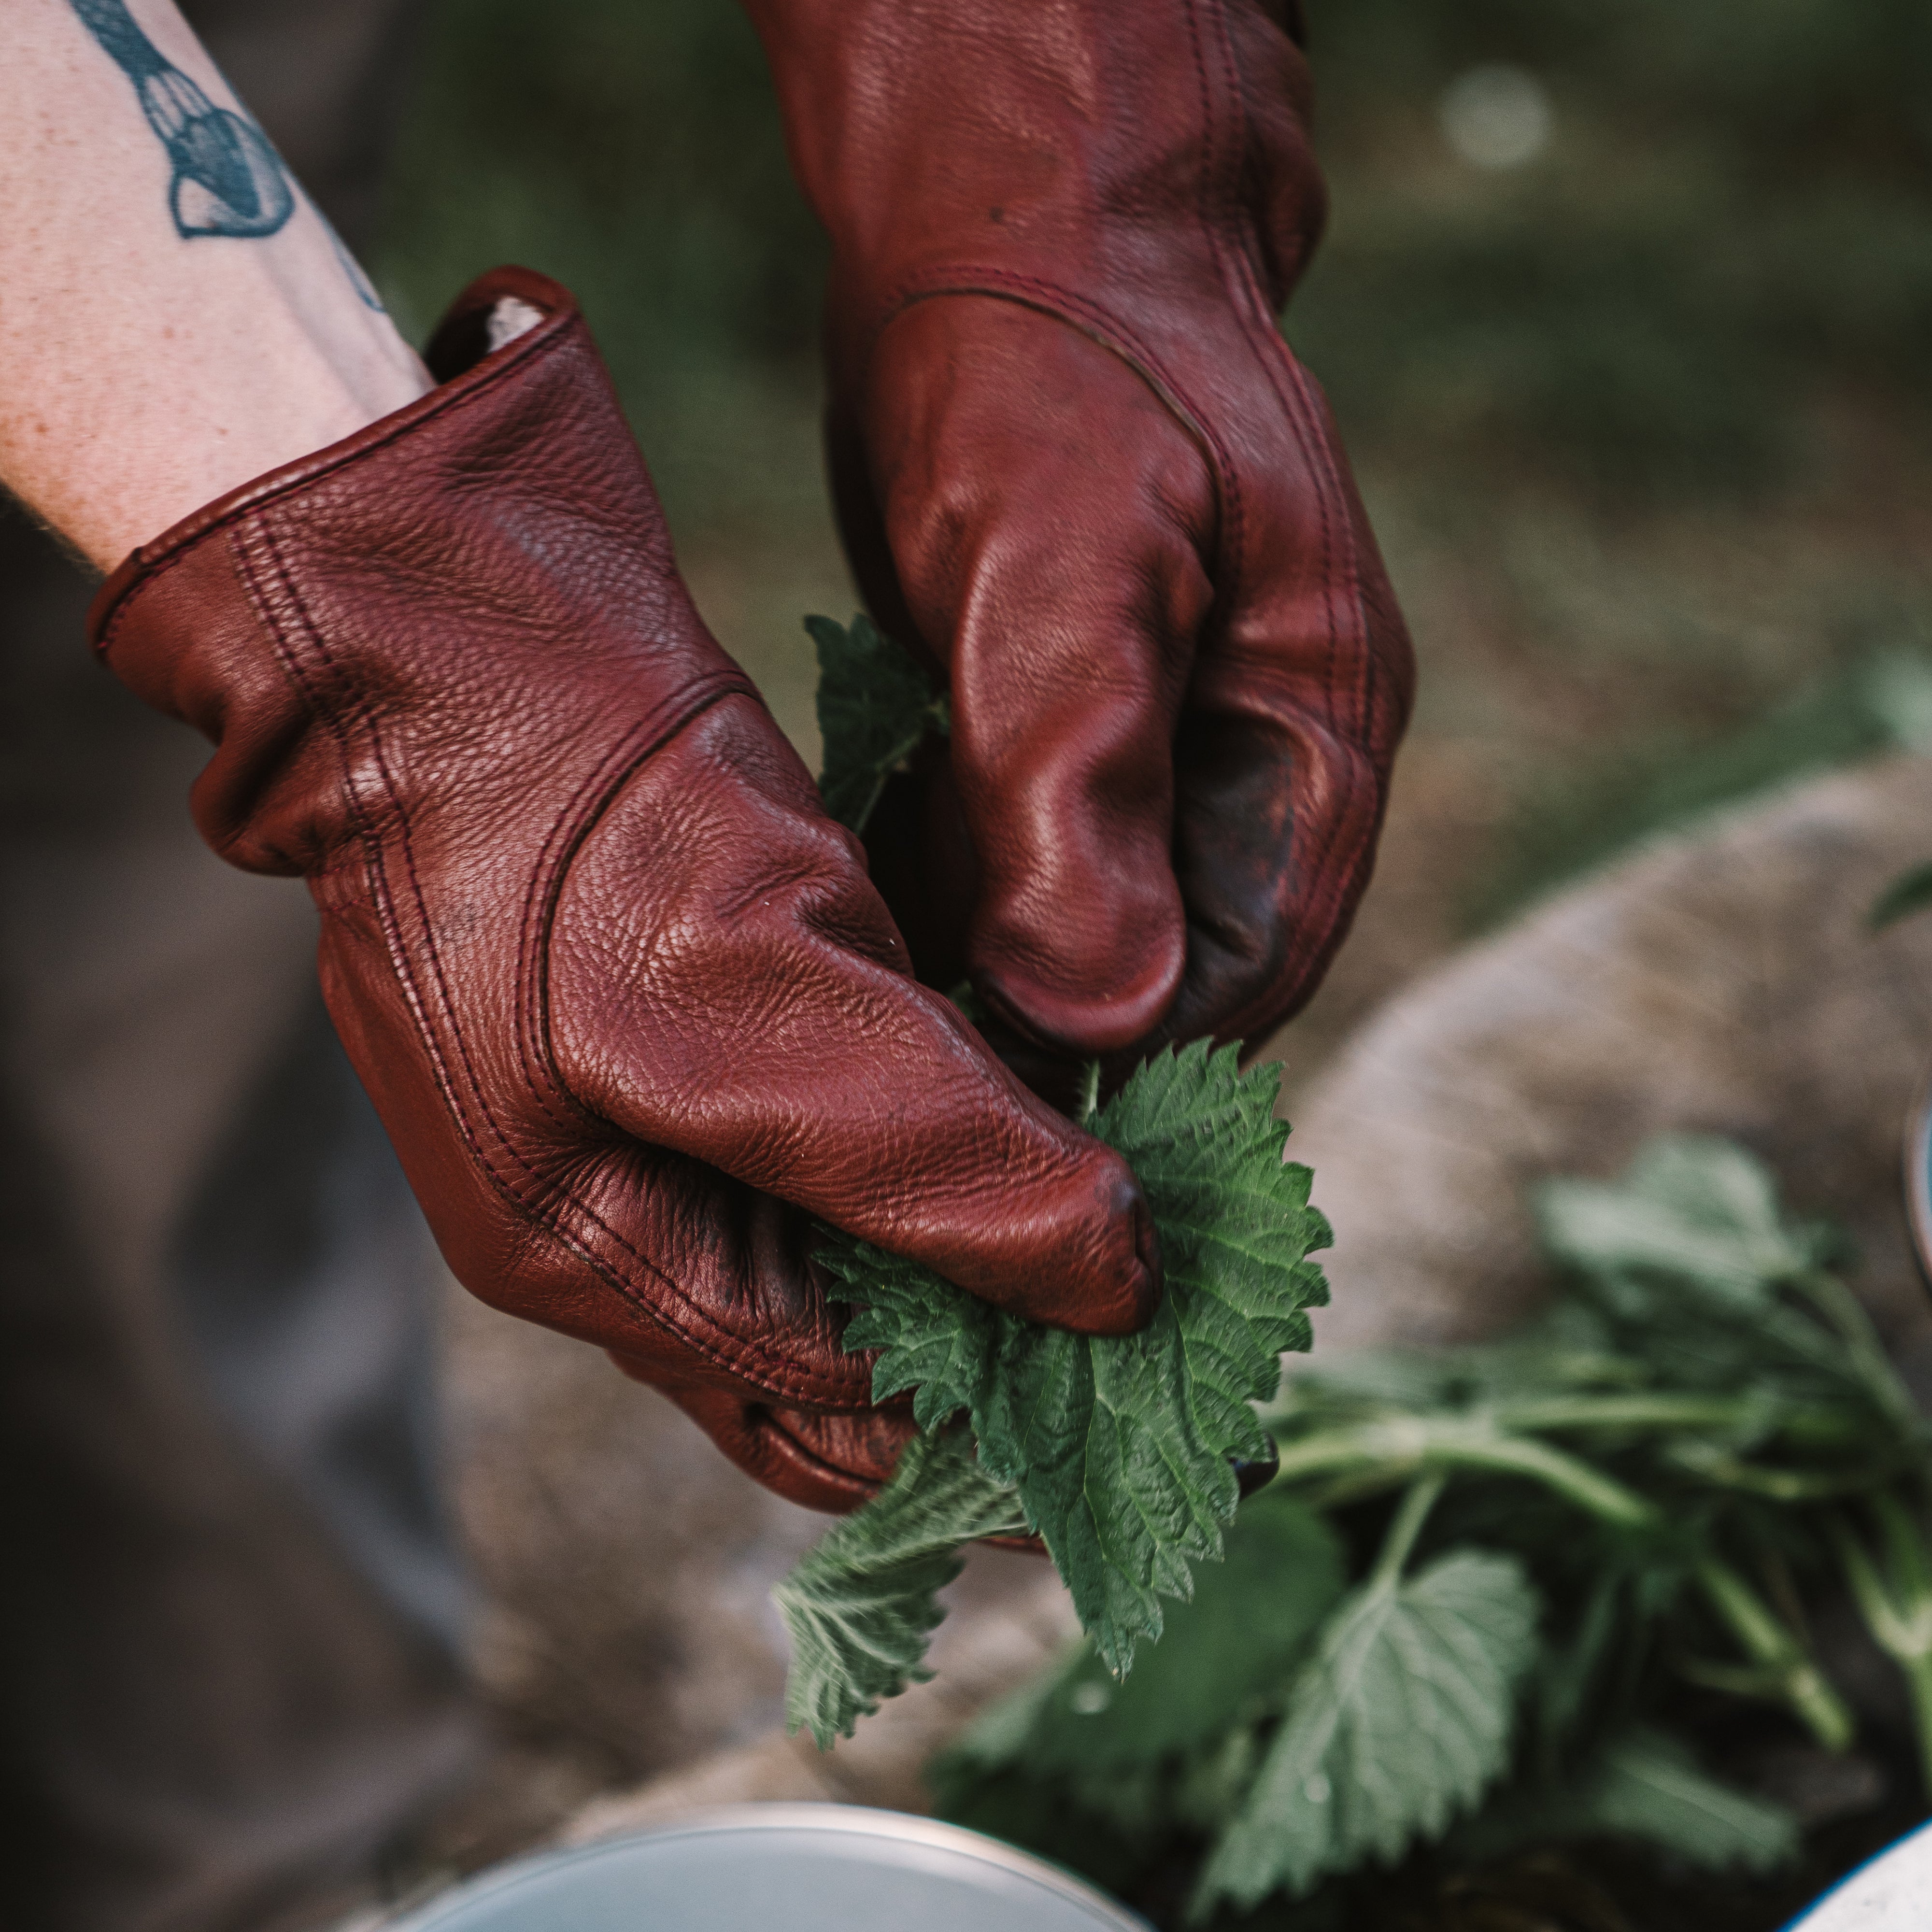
1078 468
623 992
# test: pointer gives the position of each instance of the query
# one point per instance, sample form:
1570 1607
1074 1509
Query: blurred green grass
633 150
1641 420
1728 230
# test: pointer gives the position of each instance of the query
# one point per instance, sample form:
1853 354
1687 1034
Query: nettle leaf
1400 1719
860 1604
1696 1209
1223 1653
876 706
1643 1783
1120 1447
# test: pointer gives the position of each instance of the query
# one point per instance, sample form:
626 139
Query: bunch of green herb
1121 1454
1473 1602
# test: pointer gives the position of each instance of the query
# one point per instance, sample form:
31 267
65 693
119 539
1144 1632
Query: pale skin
161 344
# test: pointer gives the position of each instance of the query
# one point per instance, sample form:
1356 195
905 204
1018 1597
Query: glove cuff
331 625
460 345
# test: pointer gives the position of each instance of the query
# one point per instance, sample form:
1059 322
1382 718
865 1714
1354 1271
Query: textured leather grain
1078 468
623 995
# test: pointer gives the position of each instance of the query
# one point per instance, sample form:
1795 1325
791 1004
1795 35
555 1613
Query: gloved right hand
1080 473
621 991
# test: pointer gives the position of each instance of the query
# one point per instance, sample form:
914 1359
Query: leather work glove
620 989
1078 471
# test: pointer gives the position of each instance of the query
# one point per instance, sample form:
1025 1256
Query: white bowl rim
854 1820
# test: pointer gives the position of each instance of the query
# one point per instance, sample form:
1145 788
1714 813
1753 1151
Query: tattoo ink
365 289
228 180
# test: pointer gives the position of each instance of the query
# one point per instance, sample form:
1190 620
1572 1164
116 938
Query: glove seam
1101 327
543 1209
1340 574
1210 191
569 830
1062 305
1218 209
150 564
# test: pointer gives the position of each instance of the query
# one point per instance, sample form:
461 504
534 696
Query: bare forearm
175 316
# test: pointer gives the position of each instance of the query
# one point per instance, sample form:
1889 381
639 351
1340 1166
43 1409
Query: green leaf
1643 1783
861 1602
875 707
1909 892
1252 1615
1698 1210
1399 1720
1120 1448
1001 1736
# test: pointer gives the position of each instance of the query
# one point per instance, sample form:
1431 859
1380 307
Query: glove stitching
1098 326
174 547
1207 193
1340 561
1340 553
537 1061
249 570
542 1209
573 825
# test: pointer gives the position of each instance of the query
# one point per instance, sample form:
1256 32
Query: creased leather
623 994
1078 468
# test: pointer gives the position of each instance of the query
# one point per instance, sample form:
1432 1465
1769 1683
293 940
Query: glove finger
724 981
829 1463
1283 760
1047 517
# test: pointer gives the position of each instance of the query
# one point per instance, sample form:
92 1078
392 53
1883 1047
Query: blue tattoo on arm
227 179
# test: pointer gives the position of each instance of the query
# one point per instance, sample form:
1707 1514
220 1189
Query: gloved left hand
620 989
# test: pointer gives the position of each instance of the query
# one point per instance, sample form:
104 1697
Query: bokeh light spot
1495 116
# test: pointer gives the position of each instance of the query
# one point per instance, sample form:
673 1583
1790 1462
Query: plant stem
1404 1530
1406 1446
1710 1464
1774 1649
1654 1410
1897 1612
1090 1093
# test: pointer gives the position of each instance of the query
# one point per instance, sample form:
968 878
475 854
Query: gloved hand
1077 468
621 990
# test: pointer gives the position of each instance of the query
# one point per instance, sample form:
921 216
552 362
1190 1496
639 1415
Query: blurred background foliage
1625 308
1725 235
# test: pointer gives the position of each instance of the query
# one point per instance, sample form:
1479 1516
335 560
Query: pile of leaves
1497 1597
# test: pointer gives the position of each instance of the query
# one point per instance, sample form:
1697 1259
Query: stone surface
1720 980
626 1633
623 1568
1007 1617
